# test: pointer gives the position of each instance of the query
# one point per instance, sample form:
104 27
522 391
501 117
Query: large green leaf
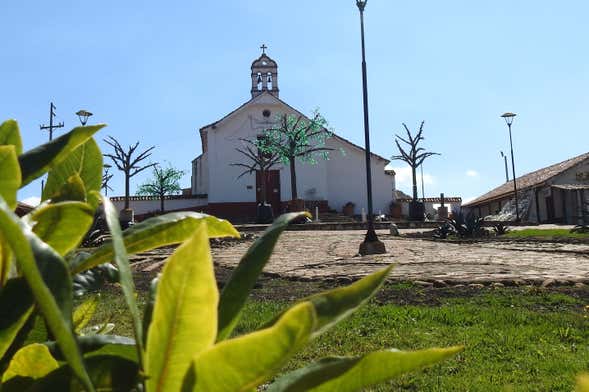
33 361
83 313
85 162
355 374
72 190
184 321
91 343
5 260
36 162
10 135
243 279
148 309
163 230
125 275
63 225
9 175
335 305
243 363
16 306
582 383
108 373
48 279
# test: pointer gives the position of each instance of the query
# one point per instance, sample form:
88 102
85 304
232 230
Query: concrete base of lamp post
126 217
372 248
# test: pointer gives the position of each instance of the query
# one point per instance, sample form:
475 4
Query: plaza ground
332 256
520 308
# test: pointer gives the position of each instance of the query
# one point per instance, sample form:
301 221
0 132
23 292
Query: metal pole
513 170
51 114
371 244
506 170
370 234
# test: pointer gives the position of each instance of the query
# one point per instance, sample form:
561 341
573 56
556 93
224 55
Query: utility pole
51 127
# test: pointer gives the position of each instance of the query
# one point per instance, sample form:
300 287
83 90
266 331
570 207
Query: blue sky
157 71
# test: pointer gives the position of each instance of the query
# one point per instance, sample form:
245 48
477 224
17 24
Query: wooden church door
272 189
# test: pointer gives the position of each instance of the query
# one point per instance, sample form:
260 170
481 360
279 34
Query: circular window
266 113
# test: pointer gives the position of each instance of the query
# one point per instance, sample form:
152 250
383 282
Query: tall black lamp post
509 117
371 244
83 115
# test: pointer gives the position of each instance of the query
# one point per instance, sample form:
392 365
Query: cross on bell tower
264 75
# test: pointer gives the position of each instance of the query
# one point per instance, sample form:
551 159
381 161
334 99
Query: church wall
224 186
346 179
200 175
338 180
311 181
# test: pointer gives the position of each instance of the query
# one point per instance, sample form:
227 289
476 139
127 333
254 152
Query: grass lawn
556 234
516 338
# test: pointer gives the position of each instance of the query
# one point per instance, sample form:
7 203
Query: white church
329 184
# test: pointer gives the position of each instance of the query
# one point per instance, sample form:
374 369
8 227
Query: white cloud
403 176
32 201
472 173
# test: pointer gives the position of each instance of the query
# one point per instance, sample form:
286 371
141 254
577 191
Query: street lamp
509 117
106 176
505 162
371 244
83 115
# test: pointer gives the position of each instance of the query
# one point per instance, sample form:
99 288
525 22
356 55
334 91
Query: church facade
328 184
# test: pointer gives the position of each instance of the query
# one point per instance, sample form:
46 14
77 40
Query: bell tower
264 75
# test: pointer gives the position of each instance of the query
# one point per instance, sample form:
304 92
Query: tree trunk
127 178
263 186
293 180
162 197
414 173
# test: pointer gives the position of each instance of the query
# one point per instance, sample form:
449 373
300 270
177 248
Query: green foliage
187 323
296 138
468 227
165 181
547 234
500 228
443 231
9 174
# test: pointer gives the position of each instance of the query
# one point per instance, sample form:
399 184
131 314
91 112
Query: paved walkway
331 255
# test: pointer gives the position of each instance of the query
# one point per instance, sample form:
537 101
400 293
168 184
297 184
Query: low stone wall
343 226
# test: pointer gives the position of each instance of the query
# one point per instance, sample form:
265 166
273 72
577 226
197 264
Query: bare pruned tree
125 162
106 177
259 158
416 155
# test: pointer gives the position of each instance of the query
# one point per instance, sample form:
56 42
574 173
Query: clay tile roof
529 180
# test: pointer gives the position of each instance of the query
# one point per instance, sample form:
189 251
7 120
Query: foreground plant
184 341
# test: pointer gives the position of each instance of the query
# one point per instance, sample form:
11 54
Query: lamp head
509 117
361 4
83 115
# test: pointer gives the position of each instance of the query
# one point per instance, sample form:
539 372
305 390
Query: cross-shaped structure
263 47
